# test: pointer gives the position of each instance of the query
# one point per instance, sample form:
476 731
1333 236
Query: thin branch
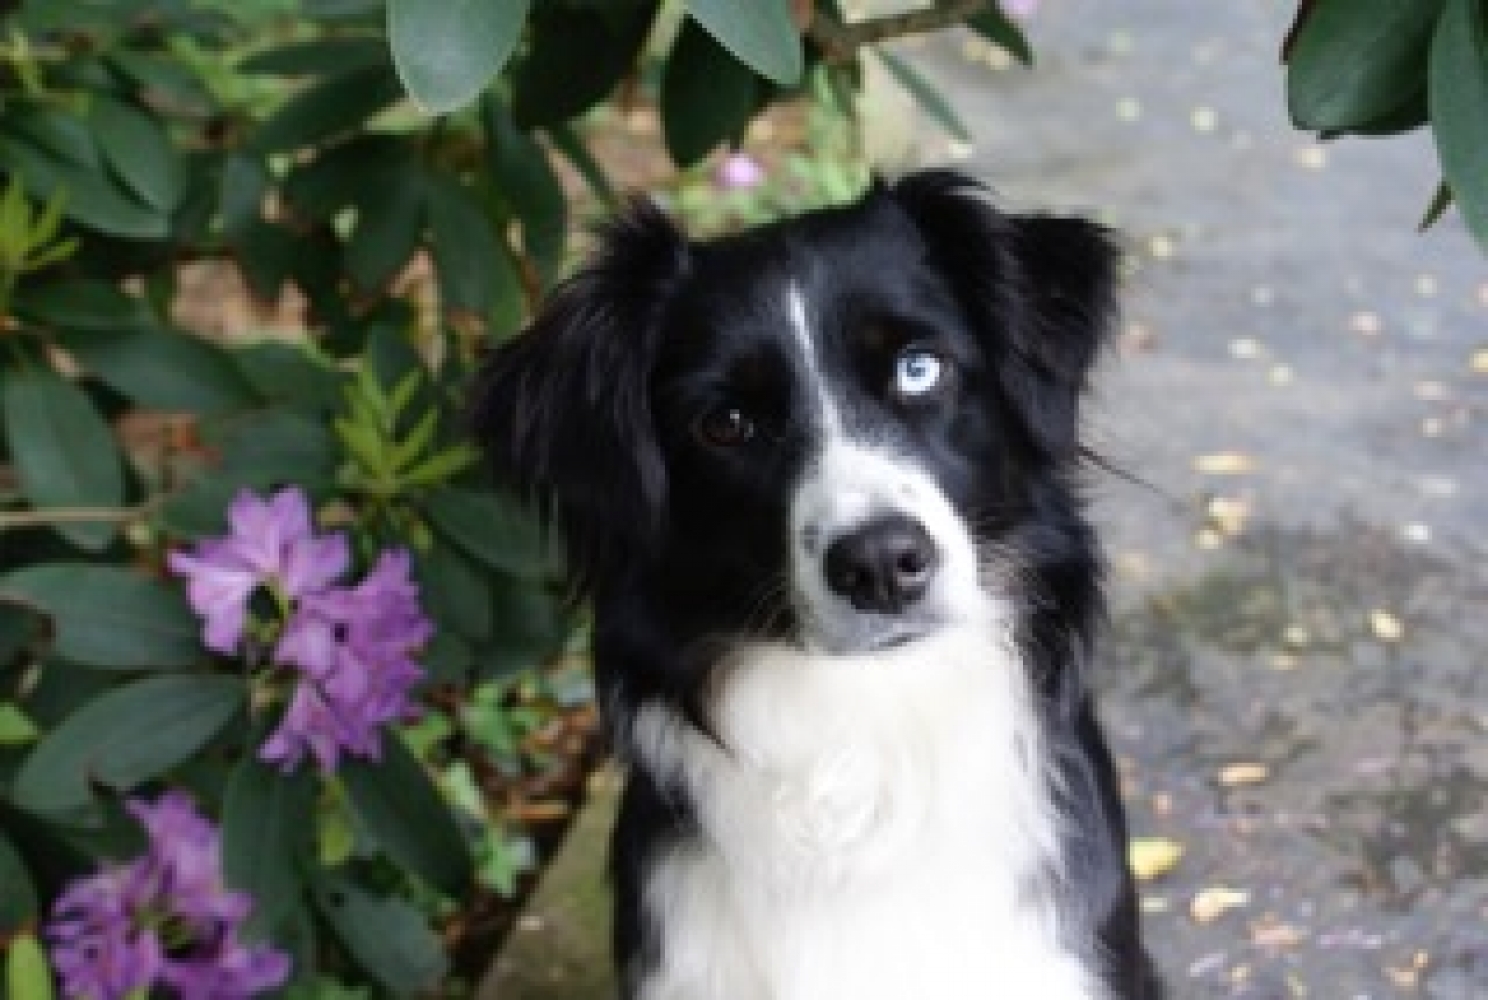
75 515
840 42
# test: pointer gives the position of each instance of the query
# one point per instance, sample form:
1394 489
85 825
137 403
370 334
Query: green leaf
1002 31
60 134
475 270
257 450
405 813
1440 202
925 95
387 232
108 616
1356 61
274 446
571 145
530 625
575 57
18 901
128 736
525 180
267 822
91 195
290 373
386 936
314 57
336 106
64 452
760 34
707 98
1459 109
163 369
243 184
492 528
140 152
15 728
454 591
26 974
447 52
20 626
82 303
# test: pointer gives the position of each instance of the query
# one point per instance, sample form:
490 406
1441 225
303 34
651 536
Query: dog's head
827 427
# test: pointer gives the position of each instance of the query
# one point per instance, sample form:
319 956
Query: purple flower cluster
349 649
162 920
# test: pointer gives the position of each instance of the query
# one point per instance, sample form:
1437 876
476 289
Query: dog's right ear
563 409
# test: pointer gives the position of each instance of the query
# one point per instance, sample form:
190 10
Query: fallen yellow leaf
1151 857
1224 463
1234 775
1480 362
1385 626
1214 902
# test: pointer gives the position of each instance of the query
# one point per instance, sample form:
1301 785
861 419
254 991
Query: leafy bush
1380 68
261 614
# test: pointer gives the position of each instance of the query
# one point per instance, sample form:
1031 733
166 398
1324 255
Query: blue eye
917 371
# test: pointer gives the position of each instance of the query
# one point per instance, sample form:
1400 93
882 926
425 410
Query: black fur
592 412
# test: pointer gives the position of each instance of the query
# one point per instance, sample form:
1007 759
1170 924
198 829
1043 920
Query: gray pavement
1298 687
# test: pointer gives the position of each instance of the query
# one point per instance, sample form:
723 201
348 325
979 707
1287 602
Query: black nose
885 565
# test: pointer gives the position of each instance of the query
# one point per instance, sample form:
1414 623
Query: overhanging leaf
125 737
575 57
760 34
925 95
447 52
1440 202
404 811
64 452
1459 108
107 616
707 97
1356 61
999 29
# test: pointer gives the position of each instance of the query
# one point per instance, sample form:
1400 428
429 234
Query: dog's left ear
1040 291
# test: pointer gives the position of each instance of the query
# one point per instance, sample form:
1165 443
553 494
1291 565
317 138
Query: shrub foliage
396 182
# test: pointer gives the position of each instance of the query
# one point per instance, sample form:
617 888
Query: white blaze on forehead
800 324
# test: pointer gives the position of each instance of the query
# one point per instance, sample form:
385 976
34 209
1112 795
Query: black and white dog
820 481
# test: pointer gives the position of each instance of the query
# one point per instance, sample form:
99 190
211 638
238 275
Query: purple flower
353 648
1019 10
738 172
343 654
163 919
271 544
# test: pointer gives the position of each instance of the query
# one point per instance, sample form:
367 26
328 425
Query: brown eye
725 427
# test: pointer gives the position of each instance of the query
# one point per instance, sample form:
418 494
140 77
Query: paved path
1318 613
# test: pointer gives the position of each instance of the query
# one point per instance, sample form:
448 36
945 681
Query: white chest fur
878 827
